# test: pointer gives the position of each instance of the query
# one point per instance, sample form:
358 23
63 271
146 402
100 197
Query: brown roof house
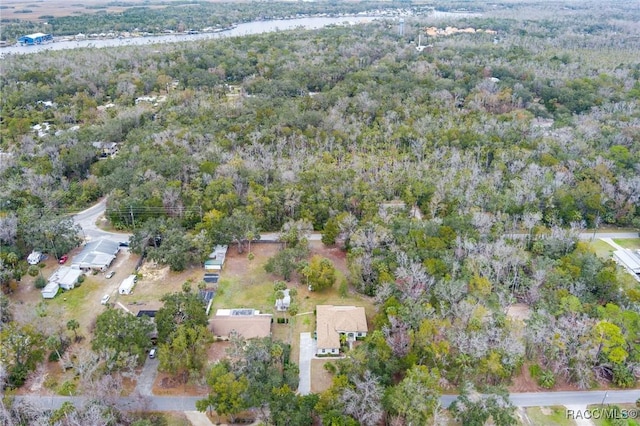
334 321
246 323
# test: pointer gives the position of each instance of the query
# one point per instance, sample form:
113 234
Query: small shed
213 265
219 252
284 303
50 290
126 287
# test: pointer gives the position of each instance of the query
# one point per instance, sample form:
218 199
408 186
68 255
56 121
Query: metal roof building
36 38
65 277
96 254
629 260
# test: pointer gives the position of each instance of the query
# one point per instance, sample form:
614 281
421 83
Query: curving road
87 220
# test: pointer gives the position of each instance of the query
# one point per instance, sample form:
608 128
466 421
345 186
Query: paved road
589 235
87 220
273 236
531 399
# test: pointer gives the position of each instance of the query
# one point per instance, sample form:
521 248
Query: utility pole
133 221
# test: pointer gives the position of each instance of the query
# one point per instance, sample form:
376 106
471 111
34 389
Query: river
255 27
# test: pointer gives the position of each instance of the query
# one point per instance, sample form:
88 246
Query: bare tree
363 401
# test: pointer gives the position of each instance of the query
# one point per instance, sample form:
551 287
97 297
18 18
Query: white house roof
285 302
50 290
65 276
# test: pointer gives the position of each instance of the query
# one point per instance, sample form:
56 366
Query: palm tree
73 325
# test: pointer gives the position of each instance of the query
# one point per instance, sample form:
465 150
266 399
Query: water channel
249 28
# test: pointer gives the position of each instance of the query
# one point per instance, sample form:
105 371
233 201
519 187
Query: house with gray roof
96 255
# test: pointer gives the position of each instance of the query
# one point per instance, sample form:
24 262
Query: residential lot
243 284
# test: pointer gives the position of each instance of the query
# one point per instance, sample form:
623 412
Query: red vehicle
63 259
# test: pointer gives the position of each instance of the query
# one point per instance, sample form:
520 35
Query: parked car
152 353
105 299
110 274
63 259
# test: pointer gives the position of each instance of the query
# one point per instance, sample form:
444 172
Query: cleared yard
628 243
549 416
602 249
321 379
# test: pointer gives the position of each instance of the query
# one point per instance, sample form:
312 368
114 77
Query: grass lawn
82 304
629 243
321 379
245 284
549 416
609 413
239 293
602 249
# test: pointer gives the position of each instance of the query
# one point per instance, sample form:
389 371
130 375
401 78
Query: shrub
547 379
33 270
623 377
50 382
330 367
81 279
343 289
535 370
67 389
40 282
293 309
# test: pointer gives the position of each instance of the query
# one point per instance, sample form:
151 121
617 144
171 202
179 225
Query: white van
34 258
152 353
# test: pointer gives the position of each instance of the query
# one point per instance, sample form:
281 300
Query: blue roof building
36 38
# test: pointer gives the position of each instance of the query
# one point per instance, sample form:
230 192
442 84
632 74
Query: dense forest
498 145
